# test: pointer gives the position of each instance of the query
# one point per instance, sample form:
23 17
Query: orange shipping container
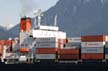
68 51
24 50
92 56
3 42
94 38
1 47
46 50
1 51
6 42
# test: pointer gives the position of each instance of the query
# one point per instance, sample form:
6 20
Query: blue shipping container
106 50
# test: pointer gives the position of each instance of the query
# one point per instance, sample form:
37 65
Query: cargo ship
47 46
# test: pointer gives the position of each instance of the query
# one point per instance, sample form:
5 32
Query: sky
11 10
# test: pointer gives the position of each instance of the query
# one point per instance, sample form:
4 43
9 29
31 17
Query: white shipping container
106 37
69 48
92 50
106 45
74 39
45 56
47 45
106 56
92 44
50 39
77 44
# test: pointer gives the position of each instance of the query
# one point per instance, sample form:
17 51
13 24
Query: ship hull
54 67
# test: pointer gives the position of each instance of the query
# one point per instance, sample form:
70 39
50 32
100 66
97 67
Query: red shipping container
6 42
92 56
46 50
94 38
68 51
68 56
1 52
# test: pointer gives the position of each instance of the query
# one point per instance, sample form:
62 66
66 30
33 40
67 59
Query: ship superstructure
41 36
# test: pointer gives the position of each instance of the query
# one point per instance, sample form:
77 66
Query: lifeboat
24 50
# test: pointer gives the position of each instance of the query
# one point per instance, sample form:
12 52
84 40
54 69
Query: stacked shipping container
68 54
74 42
92 47
46 48
106 51
71 50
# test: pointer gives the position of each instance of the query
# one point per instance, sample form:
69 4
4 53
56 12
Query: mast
55 20
39 15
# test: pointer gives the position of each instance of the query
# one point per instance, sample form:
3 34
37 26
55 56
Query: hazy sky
10 9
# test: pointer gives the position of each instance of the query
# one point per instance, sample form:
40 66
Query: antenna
55 20
35 23
39 15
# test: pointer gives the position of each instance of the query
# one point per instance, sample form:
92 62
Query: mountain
79 17
4 34
15 30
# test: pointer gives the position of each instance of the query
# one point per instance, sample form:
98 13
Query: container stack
68 54
1 50
46 48
74 42
92 47
71 49
106 50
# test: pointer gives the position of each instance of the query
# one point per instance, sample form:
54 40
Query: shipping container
71 44
6 42
45 56
46 50
92 50
94 38
68 56
73 47
92 56
1 52
24 50
106 50
92 44
106 56
68 51
1 47
106 38
50 39
74 39
46 45
106 44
